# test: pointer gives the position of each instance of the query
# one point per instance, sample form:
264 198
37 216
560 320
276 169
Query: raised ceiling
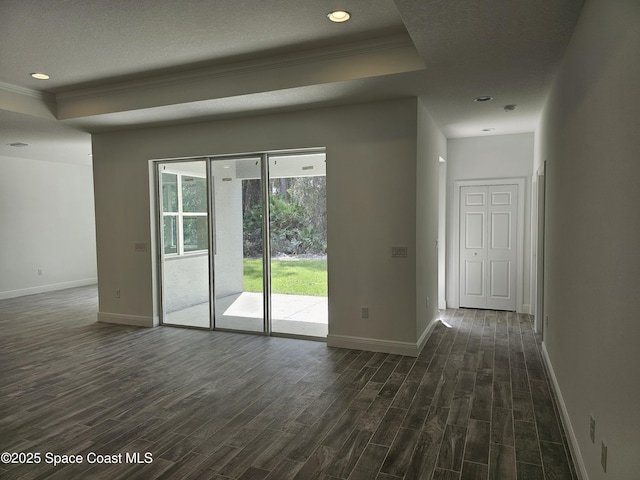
118 63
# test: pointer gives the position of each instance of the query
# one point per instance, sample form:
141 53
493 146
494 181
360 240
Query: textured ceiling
506 49
80 41
117 63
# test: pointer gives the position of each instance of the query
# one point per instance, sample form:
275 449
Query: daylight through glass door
298 241
238 244
248 233
184 242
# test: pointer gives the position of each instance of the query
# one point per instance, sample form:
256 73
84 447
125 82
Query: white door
488 247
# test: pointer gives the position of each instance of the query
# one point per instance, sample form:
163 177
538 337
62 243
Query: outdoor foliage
298 217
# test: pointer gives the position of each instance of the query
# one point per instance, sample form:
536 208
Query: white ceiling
117 63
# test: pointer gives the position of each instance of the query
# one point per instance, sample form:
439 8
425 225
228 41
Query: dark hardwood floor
476 404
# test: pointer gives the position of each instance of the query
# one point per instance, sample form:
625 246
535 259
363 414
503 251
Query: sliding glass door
184 242
244 243
238 244
298 239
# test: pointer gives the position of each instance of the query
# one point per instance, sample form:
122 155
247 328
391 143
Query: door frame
159 242
537 247
455 271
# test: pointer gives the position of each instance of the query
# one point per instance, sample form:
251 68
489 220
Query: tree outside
298 232
298 217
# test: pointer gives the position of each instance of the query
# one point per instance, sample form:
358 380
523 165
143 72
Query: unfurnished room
357 239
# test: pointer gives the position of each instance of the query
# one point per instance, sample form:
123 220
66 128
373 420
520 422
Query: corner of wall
431 146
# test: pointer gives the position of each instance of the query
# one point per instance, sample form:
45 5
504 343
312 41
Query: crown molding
242 68
28 92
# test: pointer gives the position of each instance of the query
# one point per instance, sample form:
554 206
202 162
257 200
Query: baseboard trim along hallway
564 417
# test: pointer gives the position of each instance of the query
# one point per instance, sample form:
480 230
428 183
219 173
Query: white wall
47 224
496 156
589 137
432 145
371 206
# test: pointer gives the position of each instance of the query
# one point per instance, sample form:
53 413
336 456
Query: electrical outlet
603 457
364 312
117 293
40 272
592 429
399 251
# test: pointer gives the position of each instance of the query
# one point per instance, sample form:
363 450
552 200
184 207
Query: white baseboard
409 349
373 345
47 288
133 320
526 308
422 341
566 423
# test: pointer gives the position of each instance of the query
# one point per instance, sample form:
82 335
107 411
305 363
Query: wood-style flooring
476 404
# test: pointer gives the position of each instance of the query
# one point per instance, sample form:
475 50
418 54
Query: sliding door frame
266 233
160 237
266 242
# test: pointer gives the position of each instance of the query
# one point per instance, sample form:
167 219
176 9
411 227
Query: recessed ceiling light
40 76
488 129
339 16
483 98
510 108
18 144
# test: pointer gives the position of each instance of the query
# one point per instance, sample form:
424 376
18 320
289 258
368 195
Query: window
184 213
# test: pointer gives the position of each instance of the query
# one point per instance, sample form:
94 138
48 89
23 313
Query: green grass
293 277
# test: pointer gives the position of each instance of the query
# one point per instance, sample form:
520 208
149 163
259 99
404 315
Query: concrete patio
291 314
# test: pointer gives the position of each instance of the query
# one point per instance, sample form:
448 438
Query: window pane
195 233
194 194
169 192
170 234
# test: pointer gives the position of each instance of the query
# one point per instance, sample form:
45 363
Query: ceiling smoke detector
510 108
